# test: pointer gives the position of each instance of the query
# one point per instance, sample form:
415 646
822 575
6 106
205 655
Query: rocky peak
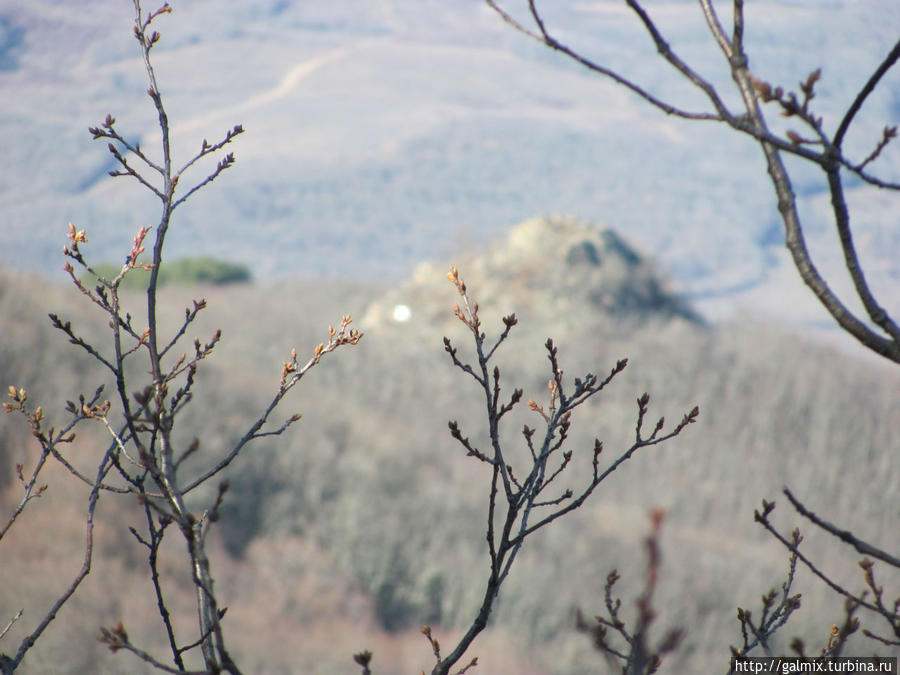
547 270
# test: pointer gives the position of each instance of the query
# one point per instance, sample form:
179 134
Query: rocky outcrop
547 270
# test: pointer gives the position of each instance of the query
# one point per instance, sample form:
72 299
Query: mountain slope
384 135
368 520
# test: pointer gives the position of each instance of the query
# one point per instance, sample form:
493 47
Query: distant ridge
547 270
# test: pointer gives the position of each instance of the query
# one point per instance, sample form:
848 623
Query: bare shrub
144 458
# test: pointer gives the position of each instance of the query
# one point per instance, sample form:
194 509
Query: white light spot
402 313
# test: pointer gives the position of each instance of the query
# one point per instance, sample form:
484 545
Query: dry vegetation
342 531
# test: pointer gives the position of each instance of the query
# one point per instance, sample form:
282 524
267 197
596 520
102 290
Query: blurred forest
365 521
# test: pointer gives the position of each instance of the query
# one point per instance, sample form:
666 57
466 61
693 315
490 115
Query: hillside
771 415
383 135
367 520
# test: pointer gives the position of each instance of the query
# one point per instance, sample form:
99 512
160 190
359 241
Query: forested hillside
366 520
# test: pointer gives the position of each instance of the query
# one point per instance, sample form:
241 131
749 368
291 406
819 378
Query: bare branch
794 547
601 70
889 61
509 523
28 642
844 535
829 159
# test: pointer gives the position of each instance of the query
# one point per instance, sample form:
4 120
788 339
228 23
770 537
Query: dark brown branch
844 535
93 498
889 61
794 547
292 373
842 221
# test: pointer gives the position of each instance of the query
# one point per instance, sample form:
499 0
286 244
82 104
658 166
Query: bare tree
822 148
520 504
144 459
812 143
